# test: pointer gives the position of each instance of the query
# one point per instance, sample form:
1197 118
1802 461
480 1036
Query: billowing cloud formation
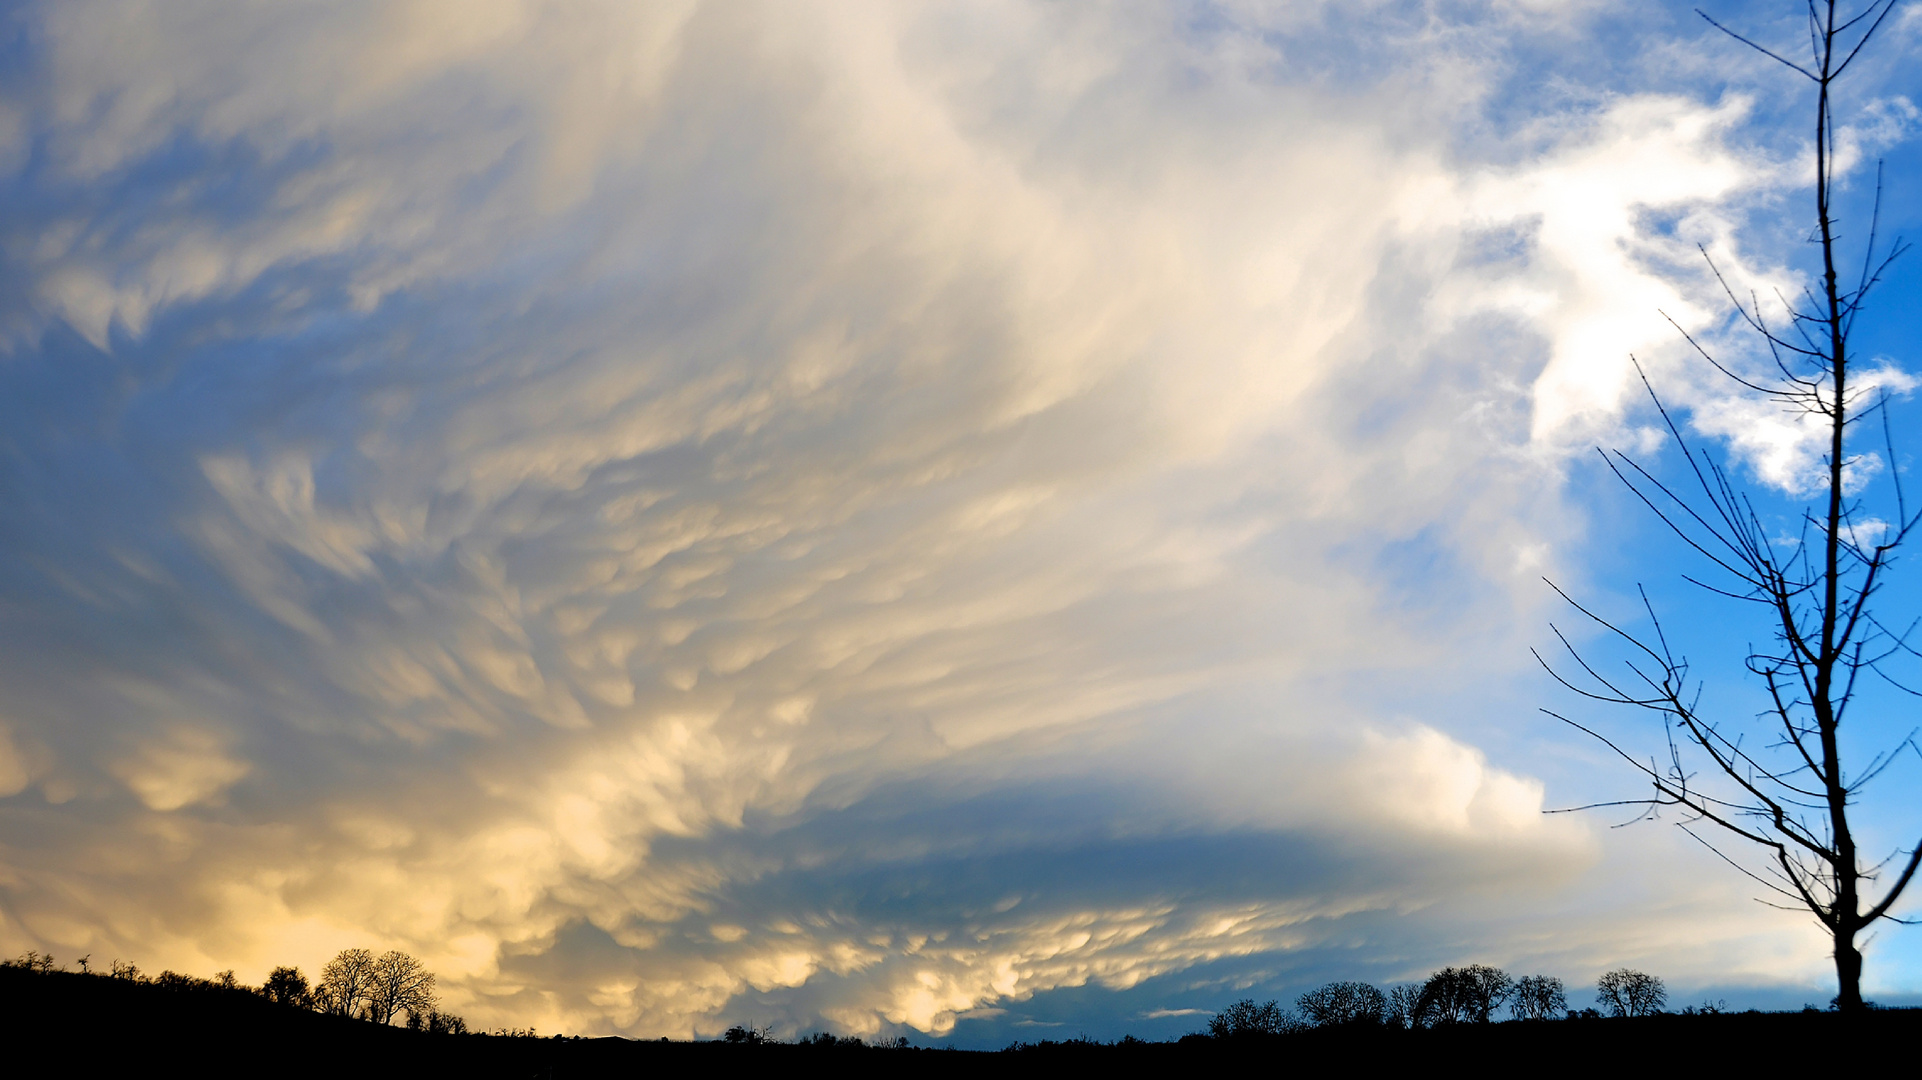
854 515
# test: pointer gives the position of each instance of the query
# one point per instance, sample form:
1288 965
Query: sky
974 521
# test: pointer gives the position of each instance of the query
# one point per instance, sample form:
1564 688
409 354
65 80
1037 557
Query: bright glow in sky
930 518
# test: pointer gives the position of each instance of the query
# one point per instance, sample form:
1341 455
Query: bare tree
1626 992
1462 995
1246 1018
346 983
398 983
1788 791
1403 1006
1342 1004
1538 997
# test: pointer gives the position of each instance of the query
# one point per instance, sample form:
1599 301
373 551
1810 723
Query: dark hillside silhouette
66 1023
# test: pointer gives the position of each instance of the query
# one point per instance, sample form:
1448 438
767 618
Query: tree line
1471 994
355 984
395 987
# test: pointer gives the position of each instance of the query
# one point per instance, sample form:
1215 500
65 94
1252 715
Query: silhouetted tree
747 1035
1625 992
1788 791
346 983
440 1023
1399 1011
1538 997
398 983
1461 995
287 986
1342 1004
1246 1018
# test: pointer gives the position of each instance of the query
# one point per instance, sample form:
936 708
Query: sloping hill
64 1024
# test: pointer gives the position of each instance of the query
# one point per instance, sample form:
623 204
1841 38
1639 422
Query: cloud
16 768
184 768
856 516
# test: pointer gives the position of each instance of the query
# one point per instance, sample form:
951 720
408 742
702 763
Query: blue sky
976 521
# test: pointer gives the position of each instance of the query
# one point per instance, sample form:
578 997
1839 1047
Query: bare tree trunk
1848 960
1848 971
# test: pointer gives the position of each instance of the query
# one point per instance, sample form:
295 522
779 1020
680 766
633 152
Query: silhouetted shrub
746 1035
1246 1019
1538 997
1626 992
32 960
174 980
820 1038
124 970
1463 995
1080 1044
825 1041
1342 1004
440 1023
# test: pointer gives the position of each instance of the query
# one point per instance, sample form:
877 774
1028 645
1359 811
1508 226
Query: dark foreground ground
62 1024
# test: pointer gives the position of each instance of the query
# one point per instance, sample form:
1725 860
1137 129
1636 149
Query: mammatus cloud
856 515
